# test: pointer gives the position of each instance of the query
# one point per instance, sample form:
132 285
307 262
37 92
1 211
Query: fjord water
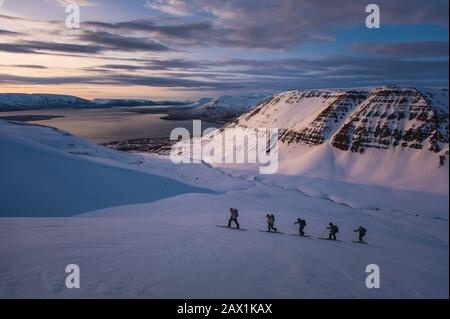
105 125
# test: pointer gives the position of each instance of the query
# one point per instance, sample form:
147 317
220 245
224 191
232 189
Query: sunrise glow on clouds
187 49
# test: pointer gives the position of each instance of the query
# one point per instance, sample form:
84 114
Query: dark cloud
29 66
10 33
100 42
405 49
266 75
42 47
116 42
151 81
163 65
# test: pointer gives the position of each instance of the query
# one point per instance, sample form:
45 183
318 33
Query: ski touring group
332 229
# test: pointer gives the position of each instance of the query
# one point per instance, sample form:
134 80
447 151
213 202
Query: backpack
236 213
273 218
336 229
303 223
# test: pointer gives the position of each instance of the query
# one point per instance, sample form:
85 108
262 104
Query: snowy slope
169 245
388 136
47 172
171 249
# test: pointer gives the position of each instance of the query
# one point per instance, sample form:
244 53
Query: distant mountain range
22 101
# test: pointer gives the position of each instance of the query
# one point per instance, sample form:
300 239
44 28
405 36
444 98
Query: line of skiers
332 228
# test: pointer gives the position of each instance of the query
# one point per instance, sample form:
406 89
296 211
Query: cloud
81 3
312 12
151 81
122 43
405 49
162 65
272 75
38 47
177 33
28 66
142 52
175 7
9 33
273 24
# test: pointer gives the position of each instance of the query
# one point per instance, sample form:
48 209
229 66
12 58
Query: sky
175 49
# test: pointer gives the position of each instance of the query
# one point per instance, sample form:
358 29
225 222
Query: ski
234 228
359 242
272 232
300 235
328 239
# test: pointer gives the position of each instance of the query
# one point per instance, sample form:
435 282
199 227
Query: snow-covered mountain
223 108
22 101
391 136
135 102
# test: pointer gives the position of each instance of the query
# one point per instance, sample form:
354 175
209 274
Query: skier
362 232
301 226
234 214
270 223
333 231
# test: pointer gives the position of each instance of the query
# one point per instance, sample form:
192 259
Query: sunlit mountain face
163 49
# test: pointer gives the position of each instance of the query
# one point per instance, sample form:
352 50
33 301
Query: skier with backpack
301 226
333 231
234 214
362 232
270 223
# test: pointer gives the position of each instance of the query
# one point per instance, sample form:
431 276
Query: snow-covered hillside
157 237
388 136
48 172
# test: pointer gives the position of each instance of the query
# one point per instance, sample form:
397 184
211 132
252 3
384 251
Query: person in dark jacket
234 214
301 226
333 231
271 223
362 232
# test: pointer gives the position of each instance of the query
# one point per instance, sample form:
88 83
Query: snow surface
170 248
36 163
